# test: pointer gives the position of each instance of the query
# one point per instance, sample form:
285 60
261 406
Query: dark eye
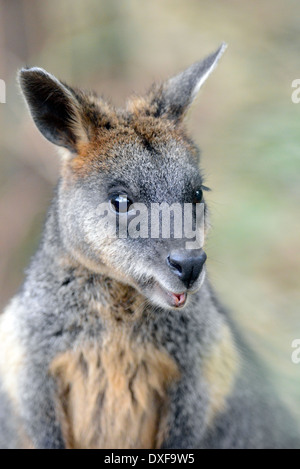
120 203
198 196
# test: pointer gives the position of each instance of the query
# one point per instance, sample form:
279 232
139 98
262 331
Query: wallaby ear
175 95
53 106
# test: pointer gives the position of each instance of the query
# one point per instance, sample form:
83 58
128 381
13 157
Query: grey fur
69 281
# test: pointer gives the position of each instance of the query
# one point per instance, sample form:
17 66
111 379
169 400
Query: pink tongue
179 298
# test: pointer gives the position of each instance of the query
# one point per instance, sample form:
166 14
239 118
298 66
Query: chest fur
114 396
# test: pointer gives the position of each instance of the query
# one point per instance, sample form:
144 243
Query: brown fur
114 396
108 129
219 371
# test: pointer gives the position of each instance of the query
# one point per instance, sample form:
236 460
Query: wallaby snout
187 265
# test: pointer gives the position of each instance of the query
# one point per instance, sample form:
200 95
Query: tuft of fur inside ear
53 106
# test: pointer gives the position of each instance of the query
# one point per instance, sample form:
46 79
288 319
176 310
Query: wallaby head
123 160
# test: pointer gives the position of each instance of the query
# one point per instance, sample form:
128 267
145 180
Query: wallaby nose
187 265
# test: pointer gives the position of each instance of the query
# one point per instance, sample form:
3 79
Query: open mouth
176 300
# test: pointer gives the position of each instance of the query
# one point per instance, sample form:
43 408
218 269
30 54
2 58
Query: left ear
175 95
54 107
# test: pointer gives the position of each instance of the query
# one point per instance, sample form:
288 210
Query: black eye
120 203
198 196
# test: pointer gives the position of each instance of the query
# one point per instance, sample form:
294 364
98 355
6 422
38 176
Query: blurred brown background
244 121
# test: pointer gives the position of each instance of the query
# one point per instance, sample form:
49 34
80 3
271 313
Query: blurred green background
244 121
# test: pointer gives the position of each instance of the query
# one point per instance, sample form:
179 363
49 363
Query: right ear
54 107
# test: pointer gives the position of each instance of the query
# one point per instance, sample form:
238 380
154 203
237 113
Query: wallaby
120 342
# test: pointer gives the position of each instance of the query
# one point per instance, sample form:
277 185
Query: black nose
187 265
